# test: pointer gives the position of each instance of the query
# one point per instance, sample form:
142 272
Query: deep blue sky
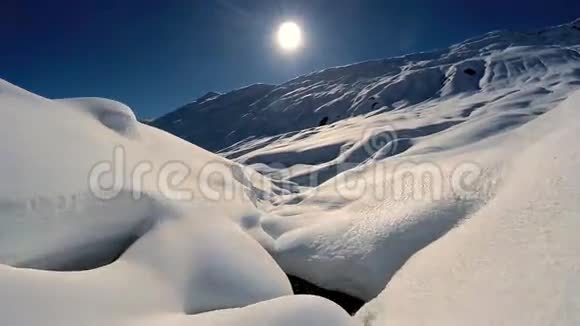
158 55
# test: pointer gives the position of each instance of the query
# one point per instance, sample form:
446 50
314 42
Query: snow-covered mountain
491 63
441 187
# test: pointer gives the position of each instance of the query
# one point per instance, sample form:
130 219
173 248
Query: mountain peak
207 96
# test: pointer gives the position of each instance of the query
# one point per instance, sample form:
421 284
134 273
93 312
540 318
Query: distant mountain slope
211 118
497 60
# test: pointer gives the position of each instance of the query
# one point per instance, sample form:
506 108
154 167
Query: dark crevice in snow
349 303
470 72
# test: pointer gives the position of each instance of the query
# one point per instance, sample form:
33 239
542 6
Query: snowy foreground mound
513 262
65 215
443 187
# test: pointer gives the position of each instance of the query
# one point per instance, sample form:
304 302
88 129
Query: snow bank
132 248
513 262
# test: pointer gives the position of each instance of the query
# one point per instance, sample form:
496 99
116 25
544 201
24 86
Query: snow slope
515 261
134 250
443 186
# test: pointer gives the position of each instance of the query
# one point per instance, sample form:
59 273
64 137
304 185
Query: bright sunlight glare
289 36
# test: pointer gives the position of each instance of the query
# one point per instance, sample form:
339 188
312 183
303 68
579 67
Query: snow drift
139 255
513 262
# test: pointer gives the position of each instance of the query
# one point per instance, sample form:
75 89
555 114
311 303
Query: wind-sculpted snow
136 245
442 186
515 261
114 115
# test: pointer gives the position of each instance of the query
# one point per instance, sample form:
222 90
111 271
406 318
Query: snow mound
285 311
114 115
514 260
124 247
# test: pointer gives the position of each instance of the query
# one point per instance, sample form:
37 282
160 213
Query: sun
289 36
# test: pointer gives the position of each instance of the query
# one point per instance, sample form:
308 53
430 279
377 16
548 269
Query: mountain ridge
335 93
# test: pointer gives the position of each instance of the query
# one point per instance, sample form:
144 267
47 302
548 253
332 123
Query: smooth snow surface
443 186
515 261
188 256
